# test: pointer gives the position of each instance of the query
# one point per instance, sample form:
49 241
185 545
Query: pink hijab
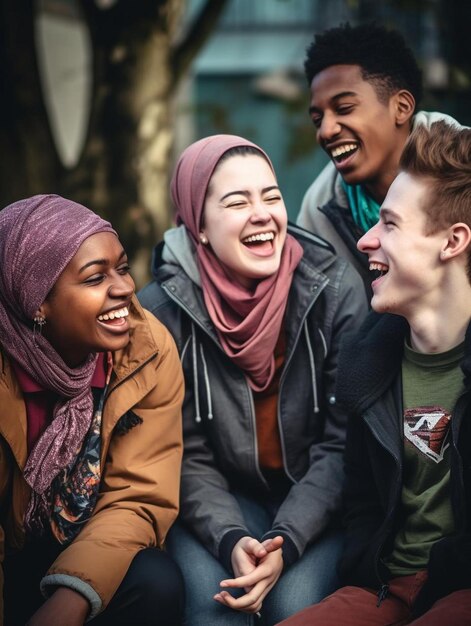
247 321
38 238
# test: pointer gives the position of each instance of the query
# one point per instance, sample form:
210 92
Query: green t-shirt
431 384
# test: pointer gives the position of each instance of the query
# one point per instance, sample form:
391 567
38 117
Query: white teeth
380 267
336 152
259 237
124 312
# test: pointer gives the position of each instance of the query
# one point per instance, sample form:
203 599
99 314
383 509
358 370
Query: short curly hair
382 55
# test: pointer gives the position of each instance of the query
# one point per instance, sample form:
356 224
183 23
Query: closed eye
124 269
236 205
95 279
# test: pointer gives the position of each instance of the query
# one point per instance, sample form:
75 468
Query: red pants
357 606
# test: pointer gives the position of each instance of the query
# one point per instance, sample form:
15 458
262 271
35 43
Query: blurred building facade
248 79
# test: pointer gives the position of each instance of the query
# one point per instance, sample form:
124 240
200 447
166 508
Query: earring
38 322
204 240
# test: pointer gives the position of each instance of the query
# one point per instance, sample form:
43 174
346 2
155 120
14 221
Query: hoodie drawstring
206 382
195 373
313 367
194 353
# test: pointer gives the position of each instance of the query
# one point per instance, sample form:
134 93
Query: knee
158 581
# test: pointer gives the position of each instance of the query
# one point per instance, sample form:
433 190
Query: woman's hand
64 608
257 567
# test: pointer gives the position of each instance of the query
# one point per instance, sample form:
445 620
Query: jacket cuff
290 551
76 584
227 545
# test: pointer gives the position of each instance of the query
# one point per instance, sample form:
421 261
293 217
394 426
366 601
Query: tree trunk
29 163
123 171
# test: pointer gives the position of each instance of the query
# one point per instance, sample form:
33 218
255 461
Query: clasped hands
257 566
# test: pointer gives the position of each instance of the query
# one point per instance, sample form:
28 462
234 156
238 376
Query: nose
122 286
260 212
329 127
369 241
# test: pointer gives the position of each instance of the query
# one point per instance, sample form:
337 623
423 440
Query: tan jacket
139 490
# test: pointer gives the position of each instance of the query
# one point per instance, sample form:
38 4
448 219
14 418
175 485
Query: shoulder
160 306
322 188
370 358
322 255
325 187
310 241
149 337
427 118
153 296
160 333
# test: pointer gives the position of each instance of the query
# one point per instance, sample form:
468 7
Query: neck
441 326
378 187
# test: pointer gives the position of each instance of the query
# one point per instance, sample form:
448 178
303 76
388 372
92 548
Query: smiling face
363 136
245 218
88 307
406 257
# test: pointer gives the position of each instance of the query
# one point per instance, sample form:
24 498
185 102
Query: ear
457 242
40 311
405 105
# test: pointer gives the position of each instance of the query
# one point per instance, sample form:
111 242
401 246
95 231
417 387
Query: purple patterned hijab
38 238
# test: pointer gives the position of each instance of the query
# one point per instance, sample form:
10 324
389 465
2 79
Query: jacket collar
308 282
371 359
141 348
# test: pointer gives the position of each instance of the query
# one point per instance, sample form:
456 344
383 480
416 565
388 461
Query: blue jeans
308 581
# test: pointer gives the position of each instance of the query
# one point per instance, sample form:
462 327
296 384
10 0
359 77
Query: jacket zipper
454 442
384 586
318 291
171 294
190 314
118 384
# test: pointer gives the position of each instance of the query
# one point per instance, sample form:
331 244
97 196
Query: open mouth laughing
379 269
342 153
261 244
258 238
115 317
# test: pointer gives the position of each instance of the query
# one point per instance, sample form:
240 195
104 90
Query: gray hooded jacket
326 299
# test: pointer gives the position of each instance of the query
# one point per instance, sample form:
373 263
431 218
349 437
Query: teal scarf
365 210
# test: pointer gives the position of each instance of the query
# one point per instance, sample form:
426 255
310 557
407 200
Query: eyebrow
338 96
246 193
385 212
100 262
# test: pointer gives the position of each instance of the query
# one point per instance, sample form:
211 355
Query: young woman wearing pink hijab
90 428
257 309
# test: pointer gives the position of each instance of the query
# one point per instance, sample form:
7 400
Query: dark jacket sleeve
316 498
203 487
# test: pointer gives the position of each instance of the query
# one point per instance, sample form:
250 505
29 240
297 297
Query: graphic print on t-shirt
426 427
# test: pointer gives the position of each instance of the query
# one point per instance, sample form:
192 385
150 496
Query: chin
378 306
118 344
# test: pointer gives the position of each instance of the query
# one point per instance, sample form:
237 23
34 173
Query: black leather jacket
370 388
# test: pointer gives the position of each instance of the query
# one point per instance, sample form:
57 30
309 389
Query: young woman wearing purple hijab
257 309
90 428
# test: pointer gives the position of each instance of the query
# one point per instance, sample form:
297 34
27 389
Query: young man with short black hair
365 89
